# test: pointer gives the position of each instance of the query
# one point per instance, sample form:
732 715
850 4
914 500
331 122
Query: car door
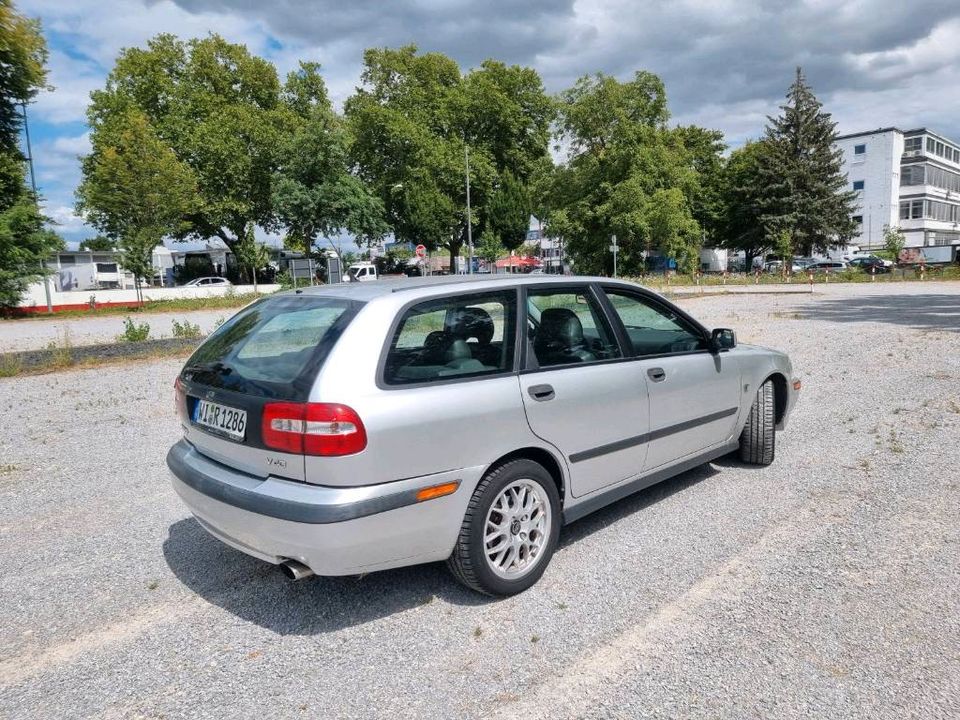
694 393
578 394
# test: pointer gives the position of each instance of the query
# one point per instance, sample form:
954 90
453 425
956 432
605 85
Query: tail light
181 394
326 429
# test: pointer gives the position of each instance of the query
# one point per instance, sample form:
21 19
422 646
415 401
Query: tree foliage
627 175
802 186
314 193
24 241
135 189
219 110
411 119
741 219
893 242
23 71
98 243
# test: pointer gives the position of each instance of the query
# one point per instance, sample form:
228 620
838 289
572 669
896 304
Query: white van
361 272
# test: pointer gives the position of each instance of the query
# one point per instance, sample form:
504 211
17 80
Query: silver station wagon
350 428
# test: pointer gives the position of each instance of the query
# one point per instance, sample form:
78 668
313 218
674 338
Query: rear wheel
510 530
758 438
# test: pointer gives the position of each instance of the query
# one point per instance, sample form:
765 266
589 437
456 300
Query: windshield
272 348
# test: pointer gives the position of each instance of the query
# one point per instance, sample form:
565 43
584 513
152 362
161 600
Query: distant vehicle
319 425
207 282
361 272
803 261
776 266
824 266
870 264
871 257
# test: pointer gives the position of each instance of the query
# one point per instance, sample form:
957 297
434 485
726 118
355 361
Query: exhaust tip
295 570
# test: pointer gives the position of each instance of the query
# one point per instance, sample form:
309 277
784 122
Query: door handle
657 374
541 393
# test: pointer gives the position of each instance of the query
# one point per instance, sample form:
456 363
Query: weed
8 468
134 332
61 353
535 639
220 321
561 606
954 407
10 365
895 445
477 631
153 585
185 330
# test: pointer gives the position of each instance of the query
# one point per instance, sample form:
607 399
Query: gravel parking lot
826 585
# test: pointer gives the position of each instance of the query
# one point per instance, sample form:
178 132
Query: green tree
488 246
508 212
893 242
251 255
804 188
23 71
24 242
135 190
742 202
412 120
314 193
627 175
99 243
220 110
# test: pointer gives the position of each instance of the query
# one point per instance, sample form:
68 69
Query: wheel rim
517 528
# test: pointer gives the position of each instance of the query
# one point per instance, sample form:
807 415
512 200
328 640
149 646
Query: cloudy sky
726 63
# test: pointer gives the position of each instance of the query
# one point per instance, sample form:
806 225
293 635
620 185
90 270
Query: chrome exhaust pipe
295 570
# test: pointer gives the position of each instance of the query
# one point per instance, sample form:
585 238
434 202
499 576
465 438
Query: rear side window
273 348
454 337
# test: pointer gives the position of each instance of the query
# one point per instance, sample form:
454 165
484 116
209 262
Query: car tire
474 564
758 439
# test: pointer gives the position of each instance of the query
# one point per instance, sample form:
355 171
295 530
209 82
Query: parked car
207 282
870 264
775 267
824 266
351 428
869 256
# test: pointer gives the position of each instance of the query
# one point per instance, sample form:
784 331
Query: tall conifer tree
804 190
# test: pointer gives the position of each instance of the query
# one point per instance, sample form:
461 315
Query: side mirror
722 339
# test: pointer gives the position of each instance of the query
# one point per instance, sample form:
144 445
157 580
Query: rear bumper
335 531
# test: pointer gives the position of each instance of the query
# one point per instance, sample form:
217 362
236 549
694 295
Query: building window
916 209
904 211
931 145
912 144
858 219
859 149
858 184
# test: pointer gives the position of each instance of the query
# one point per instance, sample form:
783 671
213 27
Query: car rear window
272 348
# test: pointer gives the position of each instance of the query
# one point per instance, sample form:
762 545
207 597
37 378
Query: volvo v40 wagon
351 428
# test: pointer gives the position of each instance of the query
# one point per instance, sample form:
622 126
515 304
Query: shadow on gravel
257 592
923 312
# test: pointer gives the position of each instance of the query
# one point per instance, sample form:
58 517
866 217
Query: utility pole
466 156
36 199
614 249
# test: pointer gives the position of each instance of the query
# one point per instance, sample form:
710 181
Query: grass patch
54 365
7 469
10 366
218 302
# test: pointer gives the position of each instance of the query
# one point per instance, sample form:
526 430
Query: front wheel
510 530
758 438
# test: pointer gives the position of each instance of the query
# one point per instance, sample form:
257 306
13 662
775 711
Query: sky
726 63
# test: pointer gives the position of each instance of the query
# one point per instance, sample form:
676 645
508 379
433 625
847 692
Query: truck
361 272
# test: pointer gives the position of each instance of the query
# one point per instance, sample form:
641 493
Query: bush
185 330
134 332
284 280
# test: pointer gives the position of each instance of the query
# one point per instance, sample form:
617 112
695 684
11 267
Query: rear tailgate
270 351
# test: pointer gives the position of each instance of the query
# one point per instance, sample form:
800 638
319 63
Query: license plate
220 419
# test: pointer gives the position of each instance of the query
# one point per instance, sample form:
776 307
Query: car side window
567 327
654 329
453 337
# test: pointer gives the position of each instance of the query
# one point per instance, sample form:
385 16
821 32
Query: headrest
471 322
560 325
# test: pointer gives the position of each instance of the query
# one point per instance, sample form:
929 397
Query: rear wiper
214 367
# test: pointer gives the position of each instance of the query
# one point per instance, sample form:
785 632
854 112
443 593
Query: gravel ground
826 585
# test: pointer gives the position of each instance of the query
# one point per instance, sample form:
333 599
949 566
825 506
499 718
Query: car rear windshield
273 348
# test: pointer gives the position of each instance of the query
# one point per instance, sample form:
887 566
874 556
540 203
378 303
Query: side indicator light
435 491
796 384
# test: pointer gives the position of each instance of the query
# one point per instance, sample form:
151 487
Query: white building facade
908 179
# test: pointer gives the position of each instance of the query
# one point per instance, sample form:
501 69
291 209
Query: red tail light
181 394
312 428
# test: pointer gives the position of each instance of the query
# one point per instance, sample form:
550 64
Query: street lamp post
466 156
36 199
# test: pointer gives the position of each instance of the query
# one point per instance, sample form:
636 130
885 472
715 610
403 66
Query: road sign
421 251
